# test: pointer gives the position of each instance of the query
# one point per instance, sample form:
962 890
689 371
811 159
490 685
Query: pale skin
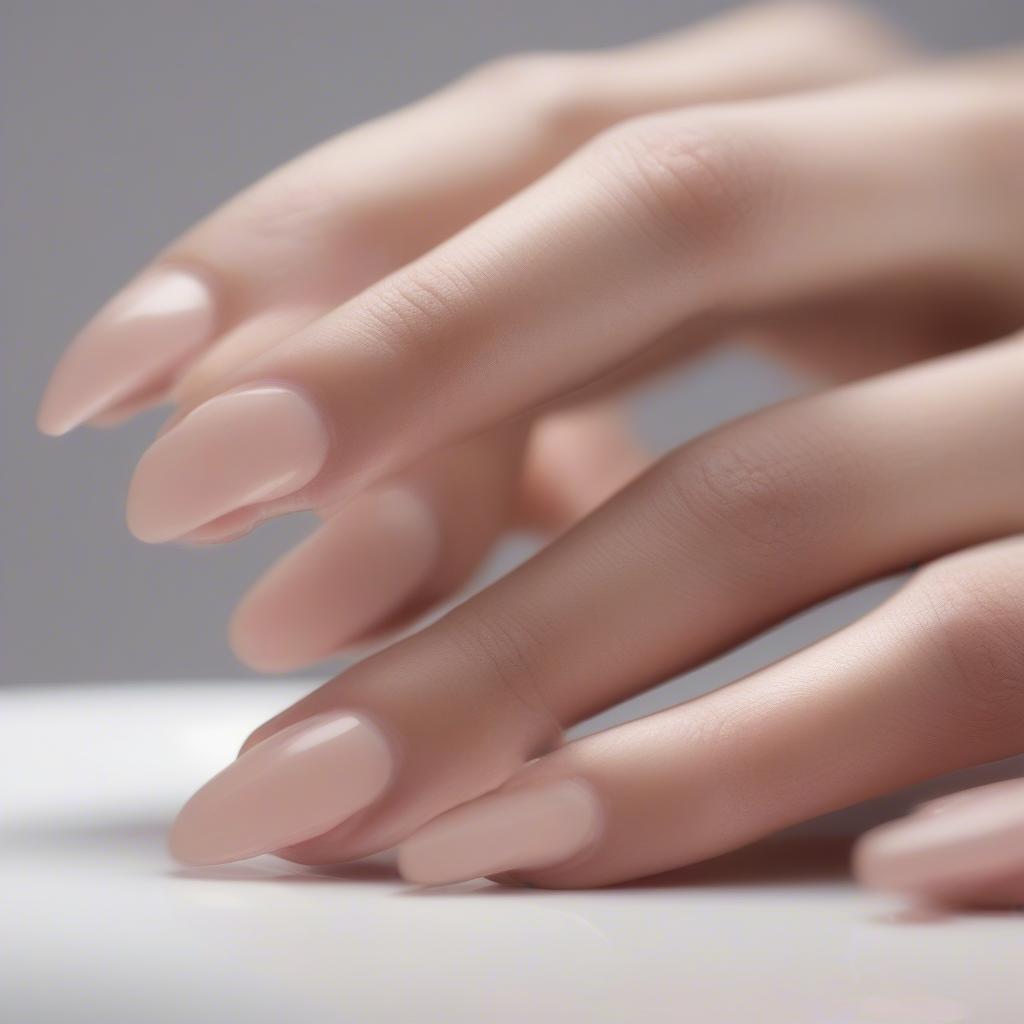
424 329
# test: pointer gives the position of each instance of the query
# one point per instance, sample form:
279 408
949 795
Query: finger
577 459
737 531
255 333
391 554
843 338
661 220
330 222
721 539
382 558
882 704
961 849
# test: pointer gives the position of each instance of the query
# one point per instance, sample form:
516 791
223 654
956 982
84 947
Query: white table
99 925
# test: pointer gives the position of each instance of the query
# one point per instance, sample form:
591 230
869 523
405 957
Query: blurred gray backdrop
122 122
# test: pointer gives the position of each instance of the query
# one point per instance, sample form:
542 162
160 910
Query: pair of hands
423 330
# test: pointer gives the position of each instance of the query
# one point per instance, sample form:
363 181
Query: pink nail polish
976 838
238 449
141 335
295 785
532 827
357 569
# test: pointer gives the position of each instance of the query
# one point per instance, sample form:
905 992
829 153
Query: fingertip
258 634
240 449
967 847
345 580
136 339
298 783
50 425
510 830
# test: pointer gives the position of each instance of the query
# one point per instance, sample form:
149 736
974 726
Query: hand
320 230
889 208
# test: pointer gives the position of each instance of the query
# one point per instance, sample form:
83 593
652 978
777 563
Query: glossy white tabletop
99 925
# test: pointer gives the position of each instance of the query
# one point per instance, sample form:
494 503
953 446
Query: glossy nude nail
233 451
140 336
532 827
295 785
346 579
974 838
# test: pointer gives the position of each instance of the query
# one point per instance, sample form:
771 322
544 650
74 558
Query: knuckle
697 177
421 302
504 650
972 606
759 491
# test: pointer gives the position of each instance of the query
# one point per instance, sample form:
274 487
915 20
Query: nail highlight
294 786
233 451
140 336
356 570
532 827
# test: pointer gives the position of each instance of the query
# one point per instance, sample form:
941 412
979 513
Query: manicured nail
356 570
295 785
532 827
233 451
141 335
977 838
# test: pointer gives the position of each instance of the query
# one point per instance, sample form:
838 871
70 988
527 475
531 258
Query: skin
462 300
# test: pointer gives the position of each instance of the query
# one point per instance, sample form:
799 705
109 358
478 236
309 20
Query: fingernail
233 451
977 837
527 828
295 785
356 570
141 335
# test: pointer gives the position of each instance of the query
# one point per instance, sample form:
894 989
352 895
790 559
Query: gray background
122 123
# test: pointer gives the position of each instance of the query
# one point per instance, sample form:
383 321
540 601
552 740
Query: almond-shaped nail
976 839
294 786
347 578
238 449
531 827
140 336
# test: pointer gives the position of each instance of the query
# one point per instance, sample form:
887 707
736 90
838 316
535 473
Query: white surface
98 924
